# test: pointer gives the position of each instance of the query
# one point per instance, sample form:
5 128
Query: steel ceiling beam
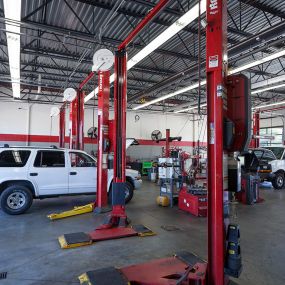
169 11
265 35
264 7
111 41
41 7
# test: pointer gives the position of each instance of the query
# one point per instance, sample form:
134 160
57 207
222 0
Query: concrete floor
30 253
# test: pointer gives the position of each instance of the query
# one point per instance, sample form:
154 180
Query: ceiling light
203 82
183 90
269 105
257 62
190 108
12 11
268 88
268 82
172 30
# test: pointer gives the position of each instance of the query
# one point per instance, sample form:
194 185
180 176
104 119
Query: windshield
278 151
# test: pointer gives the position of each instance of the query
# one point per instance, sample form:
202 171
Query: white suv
28 173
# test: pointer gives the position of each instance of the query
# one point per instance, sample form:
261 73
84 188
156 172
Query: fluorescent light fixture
12 11
203 82
269 105
268 82
183 90
190 108
268 88
172 30
257 62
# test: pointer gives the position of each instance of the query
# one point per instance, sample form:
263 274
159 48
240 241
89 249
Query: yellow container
163 201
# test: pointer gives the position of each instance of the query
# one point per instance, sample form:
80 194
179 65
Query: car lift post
216 68
76 117
76 120
103 140
256 128
118 215
61 138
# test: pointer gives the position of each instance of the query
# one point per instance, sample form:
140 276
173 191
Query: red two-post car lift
184 268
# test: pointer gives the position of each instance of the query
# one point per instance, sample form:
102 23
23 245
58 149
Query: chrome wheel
280 181
16 200
127 193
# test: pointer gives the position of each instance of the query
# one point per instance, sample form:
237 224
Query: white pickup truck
28 173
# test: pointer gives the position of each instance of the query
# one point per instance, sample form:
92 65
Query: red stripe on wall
54 139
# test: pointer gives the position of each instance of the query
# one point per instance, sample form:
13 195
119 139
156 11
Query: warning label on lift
213 61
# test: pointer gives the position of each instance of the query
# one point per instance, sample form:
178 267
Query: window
264 155
278 151
276 132
79 159
14 158
268 156
49 159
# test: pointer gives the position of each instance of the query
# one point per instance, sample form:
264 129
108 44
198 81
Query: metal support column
216 57
62 127
103 140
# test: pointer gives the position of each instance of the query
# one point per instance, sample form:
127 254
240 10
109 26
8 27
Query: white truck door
82 173
49 172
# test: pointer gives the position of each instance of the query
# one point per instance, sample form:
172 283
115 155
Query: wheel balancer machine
228 131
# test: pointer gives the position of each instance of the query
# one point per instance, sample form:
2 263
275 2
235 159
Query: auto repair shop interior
142 142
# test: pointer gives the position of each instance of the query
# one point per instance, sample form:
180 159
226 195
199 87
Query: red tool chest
193 203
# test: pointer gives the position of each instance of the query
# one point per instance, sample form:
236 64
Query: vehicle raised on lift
28 173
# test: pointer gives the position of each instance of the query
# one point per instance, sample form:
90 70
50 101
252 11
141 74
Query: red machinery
194 201
103 139
223 246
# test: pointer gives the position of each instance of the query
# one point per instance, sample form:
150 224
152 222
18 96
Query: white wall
14 120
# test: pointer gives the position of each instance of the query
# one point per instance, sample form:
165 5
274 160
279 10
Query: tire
16 199
129 193
278 181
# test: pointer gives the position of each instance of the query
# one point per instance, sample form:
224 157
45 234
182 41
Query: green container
145 166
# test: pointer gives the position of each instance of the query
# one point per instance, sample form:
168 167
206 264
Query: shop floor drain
3 275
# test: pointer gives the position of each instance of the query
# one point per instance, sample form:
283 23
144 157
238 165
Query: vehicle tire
129 192
16 199
278 181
